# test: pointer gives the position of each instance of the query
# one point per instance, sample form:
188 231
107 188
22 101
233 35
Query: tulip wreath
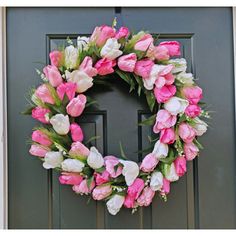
172 96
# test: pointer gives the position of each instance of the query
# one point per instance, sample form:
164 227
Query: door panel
201 198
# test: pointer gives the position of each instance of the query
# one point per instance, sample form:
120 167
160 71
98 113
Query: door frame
3 114
3 123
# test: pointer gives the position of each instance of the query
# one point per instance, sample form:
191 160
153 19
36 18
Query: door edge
3 124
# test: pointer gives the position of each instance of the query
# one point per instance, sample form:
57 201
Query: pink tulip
193 94
78 149
105 66
165 93
53 75
101 192
161 53
145 199
163 120
83 187
111 163
102 178
70 178
129 202
76 132
68 88
40 114
165 76
87 67
180 165
167 136
38 150
144 43
101 34
127 62
44 94
166 187
41 138
136 188
173 47
56 58
190 151
123 32
186 132
149 163
143 68
192 111
76 105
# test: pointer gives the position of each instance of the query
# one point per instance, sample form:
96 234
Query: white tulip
111 49
71 57
180 65
82 42
115 203
176 105
60 123
95 159
72 165
171 174
200 126
82 80
185 78
150 81
130 171
52 160
156 182
160 150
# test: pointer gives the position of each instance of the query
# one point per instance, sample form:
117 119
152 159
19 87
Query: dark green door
205 198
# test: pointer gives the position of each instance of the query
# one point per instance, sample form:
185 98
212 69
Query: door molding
3 122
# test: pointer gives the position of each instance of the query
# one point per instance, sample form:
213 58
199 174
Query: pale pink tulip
76 105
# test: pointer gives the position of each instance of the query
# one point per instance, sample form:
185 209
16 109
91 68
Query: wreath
154 71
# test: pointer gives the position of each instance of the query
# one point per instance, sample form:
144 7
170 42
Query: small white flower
160 150
82 80
52 160
115 203
130 171
180 65
200 126
72 165
156 181
176 105
60 123
111 49
95 159
82 42
170 173
71 57
185 78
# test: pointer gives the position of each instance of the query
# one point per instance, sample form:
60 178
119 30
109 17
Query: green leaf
89 181
100 170
88 171
199 145
122 151
151 100
91 139
28 111
149 121
170 158
147 150
127 78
